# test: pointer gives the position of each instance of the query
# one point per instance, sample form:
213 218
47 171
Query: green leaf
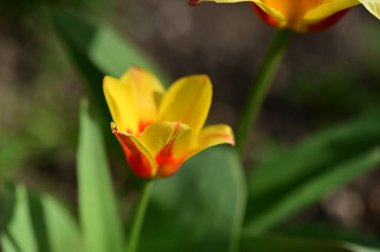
18 234
36 222
313 189
298 178
100 222
326 231
100 44
357 248
198 209
98 50
275 243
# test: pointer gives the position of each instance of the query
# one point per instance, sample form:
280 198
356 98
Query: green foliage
101 45
212 183
275 243
332 232
344 93
34 222
201 208
22 145
102 231
198 209
98 50
295 179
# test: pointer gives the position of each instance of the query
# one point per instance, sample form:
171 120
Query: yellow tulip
159 129
303 15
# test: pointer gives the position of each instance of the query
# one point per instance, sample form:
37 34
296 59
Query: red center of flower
167 163
143 125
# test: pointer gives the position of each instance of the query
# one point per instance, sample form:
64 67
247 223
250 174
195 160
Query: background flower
303 15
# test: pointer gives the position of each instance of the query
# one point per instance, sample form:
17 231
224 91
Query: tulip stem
261 87
139 217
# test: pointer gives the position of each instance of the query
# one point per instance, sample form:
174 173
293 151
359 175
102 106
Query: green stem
139 217
259 91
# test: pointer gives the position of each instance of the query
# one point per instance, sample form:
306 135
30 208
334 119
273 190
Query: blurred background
326 78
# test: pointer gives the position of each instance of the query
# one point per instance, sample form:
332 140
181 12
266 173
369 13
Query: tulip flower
302 15
159 130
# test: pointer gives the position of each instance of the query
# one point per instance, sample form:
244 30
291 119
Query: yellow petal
145 92
161 134
297 14
273 12
214 135
188 100
120 104
372 6
327 8
171 143
137 154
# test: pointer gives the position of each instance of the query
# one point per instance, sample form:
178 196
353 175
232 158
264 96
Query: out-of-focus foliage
20 8
97 51
34 222
306 180
201 208
274 243
212 178
299 177
328 232
30 55
100 223
18 147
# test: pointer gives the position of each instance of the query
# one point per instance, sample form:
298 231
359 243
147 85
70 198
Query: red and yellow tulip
159 129
303 15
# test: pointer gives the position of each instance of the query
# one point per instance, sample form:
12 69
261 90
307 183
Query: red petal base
327 22
264 16
320 26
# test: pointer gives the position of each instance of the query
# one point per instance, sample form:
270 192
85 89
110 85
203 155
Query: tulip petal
188 100
327 8
170 143
298 14
120 105
145 91
215 135
137 154
372 6
273 12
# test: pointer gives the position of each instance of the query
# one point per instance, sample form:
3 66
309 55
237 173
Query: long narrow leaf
36 222
323 159
312 190
98 50
19 232
98 212
316 153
